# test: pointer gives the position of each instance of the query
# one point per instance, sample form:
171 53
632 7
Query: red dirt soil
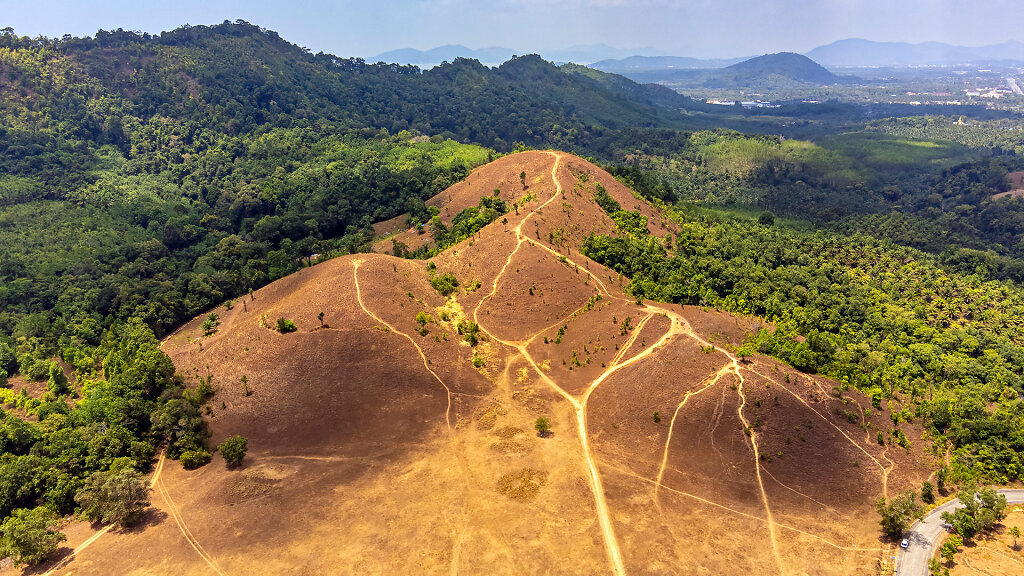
376 450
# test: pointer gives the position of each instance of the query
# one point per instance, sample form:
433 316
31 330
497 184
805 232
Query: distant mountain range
852 53
643 63
865 53
494 55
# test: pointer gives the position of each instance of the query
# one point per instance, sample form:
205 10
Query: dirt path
664 457
578 404
423 357
64 561
623 470
678 326
884 471
182 526
752 435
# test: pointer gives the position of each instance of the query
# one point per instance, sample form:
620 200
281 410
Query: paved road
924 536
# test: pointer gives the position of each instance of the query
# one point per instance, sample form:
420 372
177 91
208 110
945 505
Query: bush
285 326
445 284
233 449
29 536
543 426
210 324
928 493
192 459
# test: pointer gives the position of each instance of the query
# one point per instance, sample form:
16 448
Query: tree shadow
56 559
150 518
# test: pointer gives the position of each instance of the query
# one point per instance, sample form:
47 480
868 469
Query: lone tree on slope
543 426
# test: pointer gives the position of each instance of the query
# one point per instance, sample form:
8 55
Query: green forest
146 179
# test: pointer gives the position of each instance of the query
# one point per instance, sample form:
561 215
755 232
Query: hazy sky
702 28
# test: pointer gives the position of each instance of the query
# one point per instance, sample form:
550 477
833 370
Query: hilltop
395 434
784 65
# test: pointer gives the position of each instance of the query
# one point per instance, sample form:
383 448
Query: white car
905 544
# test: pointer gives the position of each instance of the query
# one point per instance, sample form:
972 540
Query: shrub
285 326
928 493
445 284
210 324
543 426
233 450
192 459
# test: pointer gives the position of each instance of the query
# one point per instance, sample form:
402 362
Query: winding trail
578 404
627 472
359 297
752 434
729 368
677 326
884 470
185 531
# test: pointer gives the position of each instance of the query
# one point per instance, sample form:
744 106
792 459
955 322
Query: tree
522 178
766 219
980 510
58 382
114 497
320 317
1015 534
543 426
29 536
897 514
233 450
950 547
928 493
935 568
940 478
962 521
285 326
210 324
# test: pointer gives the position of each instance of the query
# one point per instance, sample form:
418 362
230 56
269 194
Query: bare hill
375 449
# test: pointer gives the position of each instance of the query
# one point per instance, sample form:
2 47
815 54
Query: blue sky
702 28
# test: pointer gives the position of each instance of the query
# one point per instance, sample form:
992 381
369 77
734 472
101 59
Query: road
1012 83
924 536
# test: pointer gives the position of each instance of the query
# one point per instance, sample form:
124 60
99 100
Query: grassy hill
426 453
